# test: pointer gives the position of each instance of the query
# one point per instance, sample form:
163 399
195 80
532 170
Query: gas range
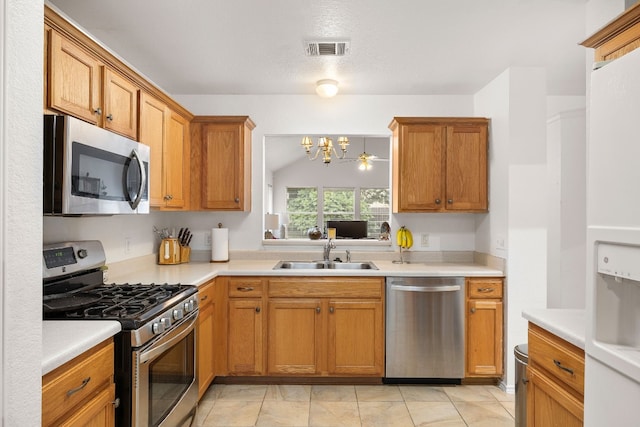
155 349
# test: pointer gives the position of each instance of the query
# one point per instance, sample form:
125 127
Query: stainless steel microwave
91 171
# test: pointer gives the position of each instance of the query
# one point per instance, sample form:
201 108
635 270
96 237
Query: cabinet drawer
557 357
484 288
76 381
206 294
243 287
343 287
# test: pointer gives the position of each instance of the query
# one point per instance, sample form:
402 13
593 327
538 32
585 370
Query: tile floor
360 405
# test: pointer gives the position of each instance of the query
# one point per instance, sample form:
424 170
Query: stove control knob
188 306
177 314
157 327
82 253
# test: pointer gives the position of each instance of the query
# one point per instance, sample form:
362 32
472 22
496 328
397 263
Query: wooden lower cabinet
354 338
484 328
245 340
82 391
555 391
295 336
206 335
326 326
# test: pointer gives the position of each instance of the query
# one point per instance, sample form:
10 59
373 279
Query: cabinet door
295 330
74 80
355 338
224 168
549 404
120 105
245 352
98 412
153 127
176 153
466 168
205 338
418 174
484 338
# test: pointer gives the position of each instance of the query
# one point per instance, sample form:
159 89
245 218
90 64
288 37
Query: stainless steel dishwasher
425 329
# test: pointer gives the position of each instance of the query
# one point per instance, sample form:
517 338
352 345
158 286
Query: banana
404 238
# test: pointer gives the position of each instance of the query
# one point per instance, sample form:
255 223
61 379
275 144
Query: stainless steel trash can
521 353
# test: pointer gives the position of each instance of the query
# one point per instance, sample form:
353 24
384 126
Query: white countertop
146 270
568 324
62 340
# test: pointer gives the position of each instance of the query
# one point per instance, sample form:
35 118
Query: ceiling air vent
326 48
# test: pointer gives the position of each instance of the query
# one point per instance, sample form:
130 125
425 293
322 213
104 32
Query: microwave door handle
143 180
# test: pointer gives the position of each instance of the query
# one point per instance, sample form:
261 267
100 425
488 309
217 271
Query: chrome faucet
326 253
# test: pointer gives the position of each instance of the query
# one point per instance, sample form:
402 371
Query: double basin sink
327 265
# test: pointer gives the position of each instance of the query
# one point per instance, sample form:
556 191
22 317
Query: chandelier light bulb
327 88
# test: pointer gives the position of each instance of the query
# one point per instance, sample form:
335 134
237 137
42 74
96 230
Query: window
310 206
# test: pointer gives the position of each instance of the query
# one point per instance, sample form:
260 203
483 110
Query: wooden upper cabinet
221 163
167 133
120 105
74 80
80 85
618 37
439 164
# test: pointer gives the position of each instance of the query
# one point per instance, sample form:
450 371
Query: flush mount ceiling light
327 88
325 146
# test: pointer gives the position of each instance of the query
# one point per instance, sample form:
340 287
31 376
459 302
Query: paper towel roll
219 244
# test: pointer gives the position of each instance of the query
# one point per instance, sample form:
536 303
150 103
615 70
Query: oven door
164 375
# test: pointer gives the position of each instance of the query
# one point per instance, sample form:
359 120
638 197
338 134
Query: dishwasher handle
443 288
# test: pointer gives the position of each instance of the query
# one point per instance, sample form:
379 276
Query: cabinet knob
110 117
257 309
438 201
98 111
237 199
450 201
317 309
331 309
473 309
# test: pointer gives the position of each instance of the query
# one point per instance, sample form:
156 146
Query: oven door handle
169 340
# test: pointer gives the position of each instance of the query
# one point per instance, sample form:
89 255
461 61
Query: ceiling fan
365 159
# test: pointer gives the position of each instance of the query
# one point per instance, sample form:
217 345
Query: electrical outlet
424 240
207 240
127 245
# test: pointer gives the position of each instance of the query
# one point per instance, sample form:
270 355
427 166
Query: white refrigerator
612 345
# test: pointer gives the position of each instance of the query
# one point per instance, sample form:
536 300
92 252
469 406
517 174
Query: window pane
339 204
302 209
374 207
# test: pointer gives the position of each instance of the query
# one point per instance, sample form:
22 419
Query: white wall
21 205
567 182
516 226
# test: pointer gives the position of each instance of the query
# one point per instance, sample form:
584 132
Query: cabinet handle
116 403
204 298
98 111
485 290
168 197
257 309
110 117
331 309
438 201
473 309
450 201
80 387
244 288
564 368
317 309
237 199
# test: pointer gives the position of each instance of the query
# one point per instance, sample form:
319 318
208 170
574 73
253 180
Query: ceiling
400 47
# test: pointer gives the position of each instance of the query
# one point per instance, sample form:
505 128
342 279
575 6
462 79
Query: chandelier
325 146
